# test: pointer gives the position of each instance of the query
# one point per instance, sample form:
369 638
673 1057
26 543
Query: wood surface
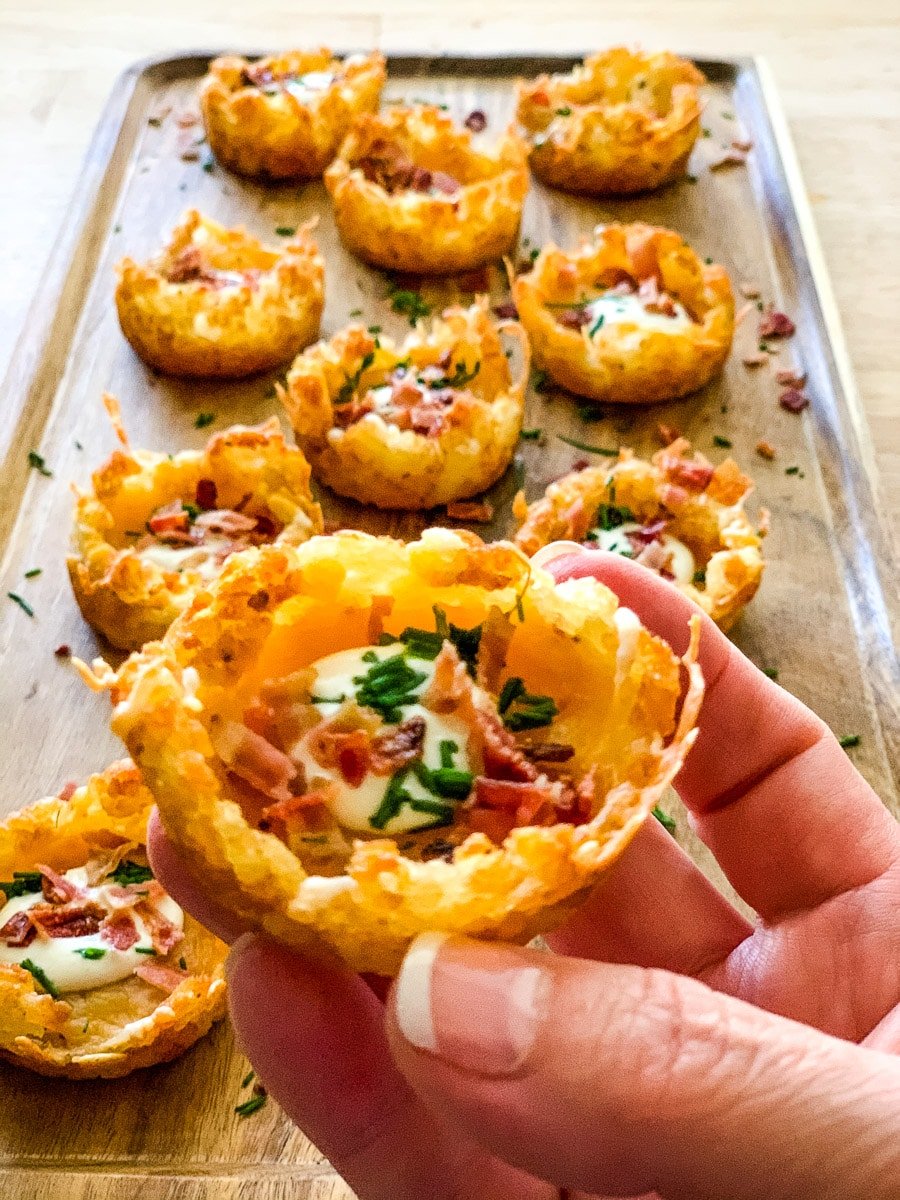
171 1132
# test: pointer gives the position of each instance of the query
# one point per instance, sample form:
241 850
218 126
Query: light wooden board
822 617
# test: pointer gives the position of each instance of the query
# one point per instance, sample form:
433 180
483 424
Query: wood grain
172 1132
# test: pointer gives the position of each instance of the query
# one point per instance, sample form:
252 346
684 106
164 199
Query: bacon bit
793 400
673 497
18 930
775 325
540 98
573 318
656 557
745 145
450 683
163 933
391 751
506 311
765 449
549 752
653 299
442 182
478 511
759 359
580 464
120 930
255 760
790 378
668 434
55 888
131 894
476 121
494 823
207 494
260 718
186 119
159 976
730 158
227 521
57 921
347 749
525 799
742 313
647 534
63 651
502 755
173 519
346 415
286 809
749 290
694 476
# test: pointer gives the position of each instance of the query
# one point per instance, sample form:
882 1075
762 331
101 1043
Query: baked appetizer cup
155 527
631 317
359 740
426 423
217 303
414 192
677 515
283 117
100 971
622 122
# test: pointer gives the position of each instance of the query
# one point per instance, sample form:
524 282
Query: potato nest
433 421
155 527
622 122
631 317
284 117
113 1029
414 192
217 303
613 686
677 495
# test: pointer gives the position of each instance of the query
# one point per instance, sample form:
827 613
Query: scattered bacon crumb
759 359
66 921
503 756
186 119
166 979
63 651
744 145
393 750
56 889
791 378
206 494
158 117
580 464
188 148
692 475
793 400
730 158
120 930
668 434
67 791
749 290
471 510
743 312
18 930
765 449
775 324
506 311
476 121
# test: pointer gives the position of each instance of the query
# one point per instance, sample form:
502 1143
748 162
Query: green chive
144 950
770 672
597 325
131 872
327 699
410 304
452 783
33 573
699 578
512 689
540 381
609 516
531 435
351 382
665 820
522 710
254 1104
36 461
182 963
792 470
286 230
204 419
447 748
92 953
718 440
849 739
23 883
23 604
248 1079
41 977
393 800
444 812
588 448
564 112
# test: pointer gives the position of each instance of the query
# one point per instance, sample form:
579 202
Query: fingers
315 1035
654 908
773 794
619 1080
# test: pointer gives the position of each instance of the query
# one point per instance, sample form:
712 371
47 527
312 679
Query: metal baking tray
824 616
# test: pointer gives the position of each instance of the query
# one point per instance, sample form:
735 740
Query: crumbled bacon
67 791
656 557
549 752
758 359
398 747
476 121
653 299
525 799
265 526
65 921
18 930
348 750
255 760
647 534
63 651
502 755
284 810
164 935
450 683
206 494
56 889
477 511
120 930
668 434
388 166
793 400
227 521
694 476
187 265
506 311
573 318
346 415
765 449
775 324
171 522
160 976
790 378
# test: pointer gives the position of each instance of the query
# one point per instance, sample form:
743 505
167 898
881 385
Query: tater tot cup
215 303
283 117
111 1030
642 360
275 611
622 122
414 192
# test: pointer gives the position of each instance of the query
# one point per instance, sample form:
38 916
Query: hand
669 1046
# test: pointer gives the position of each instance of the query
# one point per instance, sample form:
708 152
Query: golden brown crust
622 122
131 600
112 1030
416 231
270 132
378 463
192 311
622 363
616 687
702 507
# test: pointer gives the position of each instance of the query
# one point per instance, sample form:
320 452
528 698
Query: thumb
621 1080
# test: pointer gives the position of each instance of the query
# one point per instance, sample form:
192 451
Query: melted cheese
176 559
629 310
59 958
681 561
354 807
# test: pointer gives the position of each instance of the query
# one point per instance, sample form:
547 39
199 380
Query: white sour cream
59 958
355 806
176 559
309 86
681 560
629 310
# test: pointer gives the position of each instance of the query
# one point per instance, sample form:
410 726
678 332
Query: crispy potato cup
116 1027
564 708
284 117
677 515
414 192
155 527
215 303
631 317
433 421
622 122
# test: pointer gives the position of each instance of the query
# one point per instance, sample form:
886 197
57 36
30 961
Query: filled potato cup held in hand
155 527
621 122
359 740
633 316
430 422
100 971
217 303
414 192
677 515
283 117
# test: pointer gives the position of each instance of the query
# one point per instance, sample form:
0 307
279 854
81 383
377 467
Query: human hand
668 1046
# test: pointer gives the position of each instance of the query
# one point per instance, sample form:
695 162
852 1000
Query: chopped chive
708 261
204 419
607 453
770 672
699 577
512 689
327 699
447 748
540 381
144 950
589 411
452 783
23 883
23 604
849 739
351 382
793 471
254 1104
393 800
444 812
131 872
41 977
565 111
530 435
597 325
182 963
609 516
33 573
667 822
691 178
409 303
92 953
36 461
520 709
286 230
248 1079
718 440
78 445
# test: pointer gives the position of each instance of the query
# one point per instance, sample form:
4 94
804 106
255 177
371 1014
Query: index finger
773 795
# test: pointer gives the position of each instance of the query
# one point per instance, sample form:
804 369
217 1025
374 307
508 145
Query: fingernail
475 1005
548 553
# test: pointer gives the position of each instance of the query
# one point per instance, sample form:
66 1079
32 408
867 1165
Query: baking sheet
823 617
